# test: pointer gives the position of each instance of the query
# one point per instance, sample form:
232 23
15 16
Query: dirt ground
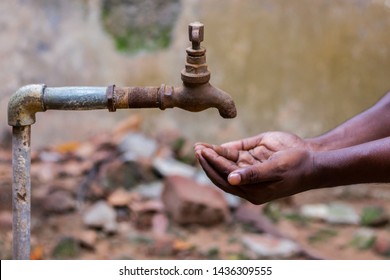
59 230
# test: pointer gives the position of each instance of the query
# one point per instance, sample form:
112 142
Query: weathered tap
196 94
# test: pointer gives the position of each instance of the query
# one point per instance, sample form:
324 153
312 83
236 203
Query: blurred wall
302 66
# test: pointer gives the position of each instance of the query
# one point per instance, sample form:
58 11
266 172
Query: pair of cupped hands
261 168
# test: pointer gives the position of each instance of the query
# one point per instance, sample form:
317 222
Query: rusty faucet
196 94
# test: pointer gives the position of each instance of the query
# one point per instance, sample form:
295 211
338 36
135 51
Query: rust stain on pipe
142 97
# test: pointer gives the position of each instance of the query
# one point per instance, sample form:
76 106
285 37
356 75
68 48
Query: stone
188 202
138 237
382 245
233 201
151 190
373 216
341 213
143 212
101 215
50 156
5 220
124 228
270 247
334 213
73 168
59 202
127 175
86 150
363 238
201 177
45 172
160 224
315 211
87 239
147 206
171 167
135 145
249 213
66 248
119 198
179 147
162 247
322 235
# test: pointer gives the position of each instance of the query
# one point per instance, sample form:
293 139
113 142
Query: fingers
234 178
199 146
244 144
228 167
211 173
254 174
221 164
228 153
235 167
215 177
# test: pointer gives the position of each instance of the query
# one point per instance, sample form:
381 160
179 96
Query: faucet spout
201 97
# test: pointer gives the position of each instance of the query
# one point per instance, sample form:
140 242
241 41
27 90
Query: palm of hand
257 149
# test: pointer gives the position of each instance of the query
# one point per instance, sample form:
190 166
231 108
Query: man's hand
277 164
262 168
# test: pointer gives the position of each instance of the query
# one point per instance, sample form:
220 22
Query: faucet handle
195 71
196 34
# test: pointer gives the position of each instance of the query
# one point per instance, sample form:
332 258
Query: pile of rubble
129 186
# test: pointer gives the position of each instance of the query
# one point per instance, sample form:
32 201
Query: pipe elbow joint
24 104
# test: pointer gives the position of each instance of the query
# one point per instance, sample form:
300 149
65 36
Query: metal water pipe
195 94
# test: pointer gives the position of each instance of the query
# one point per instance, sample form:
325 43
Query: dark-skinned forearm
372 124
364 163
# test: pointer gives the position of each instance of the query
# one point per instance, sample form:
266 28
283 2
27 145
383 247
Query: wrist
315 144
321 175
339 167
312 176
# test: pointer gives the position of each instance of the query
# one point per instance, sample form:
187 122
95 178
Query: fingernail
206 151
197 154
234 179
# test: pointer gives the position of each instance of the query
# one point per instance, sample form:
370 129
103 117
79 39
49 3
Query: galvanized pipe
21 191
74 98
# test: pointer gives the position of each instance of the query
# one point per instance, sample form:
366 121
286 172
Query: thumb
258 173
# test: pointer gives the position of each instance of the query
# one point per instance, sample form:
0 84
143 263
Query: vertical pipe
21 191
